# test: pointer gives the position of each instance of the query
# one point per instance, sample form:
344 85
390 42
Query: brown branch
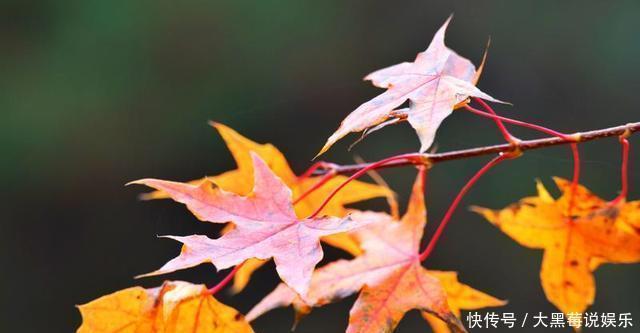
522 146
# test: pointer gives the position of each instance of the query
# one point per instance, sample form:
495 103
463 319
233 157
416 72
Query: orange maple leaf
240 181
459 297
598 232
266 226
434 83
389 274
176 307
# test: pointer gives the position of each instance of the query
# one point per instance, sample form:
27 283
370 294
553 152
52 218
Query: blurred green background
97 93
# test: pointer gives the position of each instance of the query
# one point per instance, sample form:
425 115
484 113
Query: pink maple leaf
266 227
434 83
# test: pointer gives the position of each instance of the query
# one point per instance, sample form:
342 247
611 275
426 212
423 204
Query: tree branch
623 130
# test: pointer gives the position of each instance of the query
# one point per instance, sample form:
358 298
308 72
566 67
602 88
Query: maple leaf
434 83
598 232
459 297
176 307
240 181
266 226
389 274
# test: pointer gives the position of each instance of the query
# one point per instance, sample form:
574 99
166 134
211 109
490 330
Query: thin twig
489 150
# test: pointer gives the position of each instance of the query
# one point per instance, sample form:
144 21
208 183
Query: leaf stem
505 132
624 171
392 201
223 283
522 123
454 204
314 167
323 180
574 147
411 158
575 179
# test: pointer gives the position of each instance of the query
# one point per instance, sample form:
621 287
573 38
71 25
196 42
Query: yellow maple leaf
176 307
240 181
574 246
460 297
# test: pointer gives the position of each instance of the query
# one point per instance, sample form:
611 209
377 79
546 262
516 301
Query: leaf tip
322 151
218 126
146 196
561 183
143 181
445 25
234 290
135 182
479 210
450 17
140 276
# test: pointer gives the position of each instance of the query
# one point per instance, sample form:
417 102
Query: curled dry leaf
574 246
266 226
176 307
434 83
240 181
389 274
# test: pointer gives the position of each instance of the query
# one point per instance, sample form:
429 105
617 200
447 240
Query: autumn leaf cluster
270 213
